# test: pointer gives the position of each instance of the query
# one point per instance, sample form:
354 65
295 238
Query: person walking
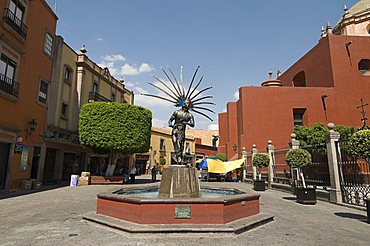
154 173
132 175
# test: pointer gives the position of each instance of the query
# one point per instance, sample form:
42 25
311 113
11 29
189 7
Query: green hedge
219 156
115 127
298 158
261 160
359 144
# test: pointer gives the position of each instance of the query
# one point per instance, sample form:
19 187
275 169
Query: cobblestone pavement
53 217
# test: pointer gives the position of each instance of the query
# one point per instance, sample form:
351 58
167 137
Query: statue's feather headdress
176 93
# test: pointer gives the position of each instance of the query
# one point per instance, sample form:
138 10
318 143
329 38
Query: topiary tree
115 128
359 144
312 138
162 161
345 134
298 158
260 160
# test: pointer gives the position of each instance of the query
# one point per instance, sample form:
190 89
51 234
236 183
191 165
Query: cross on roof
364 119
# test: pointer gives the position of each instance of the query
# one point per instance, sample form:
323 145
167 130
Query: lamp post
31 126
234 147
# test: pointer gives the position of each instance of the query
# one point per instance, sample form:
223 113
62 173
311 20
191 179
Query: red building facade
325 85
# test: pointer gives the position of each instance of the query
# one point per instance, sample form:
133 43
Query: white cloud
213 127
99 39
128 69
114 58
236 95
110 61
145 68
159 123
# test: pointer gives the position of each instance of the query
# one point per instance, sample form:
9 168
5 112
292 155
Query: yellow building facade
76 80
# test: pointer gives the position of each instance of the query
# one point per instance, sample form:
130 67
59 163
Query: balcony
15 23
96 97
8 85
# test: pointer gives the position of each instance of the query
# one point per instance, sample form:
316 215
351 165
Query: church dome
360 7
272 82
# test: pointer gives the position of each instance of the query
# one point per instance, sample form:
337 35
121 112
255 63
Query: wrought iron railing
355 181
96 97
9 85
15 23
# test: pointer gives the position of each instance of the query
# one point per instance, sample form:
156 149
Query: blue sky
235 42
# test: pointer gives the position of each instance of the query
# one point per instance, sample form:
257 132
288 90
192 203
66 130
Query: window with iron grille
161 144
298 116
67 74
17 9
7 69
43 92
64 111
48 45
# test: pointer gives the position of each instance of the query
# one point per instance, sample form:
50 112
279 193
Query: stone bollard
270 150
254 151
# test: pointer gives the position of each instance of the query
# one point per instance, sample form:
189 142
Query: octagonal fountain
179 200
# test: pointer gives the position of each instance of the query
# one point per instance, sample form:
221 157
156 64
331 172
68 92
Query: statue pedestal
179 182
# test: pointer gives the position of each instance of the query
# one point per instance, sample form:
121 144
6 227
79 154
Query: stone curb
235 227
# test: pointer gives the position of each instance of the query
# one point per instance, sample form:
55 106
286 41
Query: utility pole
363 119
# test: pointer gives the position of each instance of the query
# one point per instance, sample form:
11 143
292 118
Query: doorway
4 157
35 162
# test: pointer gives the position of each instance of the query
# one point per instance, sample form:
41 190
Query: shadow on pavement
359 217
290 198
10 194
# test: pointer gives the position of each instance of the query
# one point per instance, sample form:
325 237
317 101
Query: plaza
54 217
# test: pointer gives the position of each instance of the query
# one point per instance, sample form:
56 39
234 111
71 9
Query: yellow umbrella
216 166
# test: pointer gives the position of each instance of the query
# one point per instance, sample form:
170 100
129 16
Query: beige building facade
76 80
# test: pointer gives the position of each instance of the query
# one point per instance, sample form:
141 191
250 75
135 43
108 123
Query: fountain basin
220 207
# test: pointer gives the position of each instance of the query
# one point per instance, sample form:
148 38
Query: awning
224 167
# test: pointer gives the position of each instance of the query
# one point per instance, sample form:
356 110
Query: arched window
68 73
300 79
364 67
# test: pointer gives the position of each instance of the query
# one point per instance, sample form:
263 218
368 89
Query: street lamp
31 126
234 147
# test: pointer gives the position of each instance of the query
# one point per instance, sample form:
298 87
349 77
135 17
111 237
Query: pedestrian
154 173
133 174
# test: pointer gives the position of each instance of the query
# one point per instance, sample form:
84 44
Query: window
95 87
64 111
48 45
67 74
43 92
187 148
14 16
113 97
300 79
17 9
7 69
162 147
298 116
7 74
364 66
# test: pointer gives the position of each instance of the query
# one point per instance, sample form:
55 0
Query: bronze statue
182 118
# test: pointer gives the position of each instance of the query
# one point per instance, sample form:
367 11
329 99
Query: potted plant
298 158
260 160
